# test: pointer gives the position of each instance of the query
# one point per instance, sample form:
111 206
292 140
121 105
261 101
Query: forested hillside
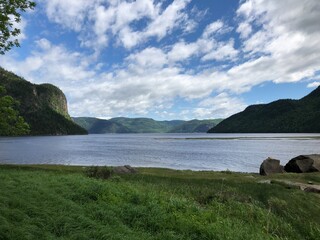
282 116
144 125
43 107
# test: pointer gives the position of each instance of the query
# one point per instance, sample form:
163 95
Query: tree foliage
281 116
10 13
144 125
11 124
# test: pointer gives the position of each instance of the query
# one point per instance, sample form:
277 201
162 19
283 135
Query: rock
303 164
270 166
131 169
126 169
296 185
312 189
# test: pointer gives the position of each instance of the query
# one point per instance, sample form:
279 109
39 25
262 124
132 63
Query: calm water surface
236 152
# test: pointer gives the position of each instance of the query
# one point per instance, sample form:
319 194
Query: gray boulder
312 189
270 166
304 163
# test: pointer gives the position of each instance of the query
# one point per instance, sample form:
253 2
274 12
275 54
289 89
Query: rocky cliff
44 107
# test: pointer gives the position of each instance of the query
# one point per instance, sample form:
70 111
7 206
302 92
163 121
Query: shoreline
169 172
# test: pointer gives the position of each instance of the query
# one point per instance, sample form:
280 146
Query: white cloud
221 106
148 58
244 29
44 44
206 46
170 18
114 19
313 84
103 19
70 14
284 46
127 12
213 28
50 63
222 51
279 42
182 51
128 38
143 84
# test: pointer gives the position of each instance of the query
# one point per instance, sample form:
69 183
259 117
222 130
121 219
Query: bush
98 172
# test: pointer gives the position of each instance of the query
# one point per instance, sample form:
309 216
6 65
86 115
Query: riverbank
52 201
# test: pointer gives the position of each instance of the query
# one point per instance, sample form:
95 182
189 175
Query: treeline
144 125
282 116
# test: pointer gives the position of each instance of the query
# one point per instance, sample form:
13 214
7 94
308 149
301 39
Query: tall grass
154 204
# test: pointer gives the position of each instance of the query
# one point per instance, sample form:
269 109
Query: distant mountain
143 125
195 126
282 116
43 107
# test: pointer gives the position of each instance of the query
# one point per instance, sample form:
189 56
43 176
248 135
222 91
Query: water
235 152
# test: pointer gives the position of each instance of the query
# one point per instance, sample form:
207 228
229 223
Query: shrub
98 172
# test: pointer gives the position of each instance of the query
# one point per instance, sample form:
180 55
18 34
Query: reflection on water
236 152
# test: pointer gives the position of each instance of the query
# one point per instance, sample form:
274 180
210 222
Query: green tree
11 124
10 13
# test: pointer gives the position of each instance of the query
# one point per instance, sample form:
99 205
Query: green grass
60 202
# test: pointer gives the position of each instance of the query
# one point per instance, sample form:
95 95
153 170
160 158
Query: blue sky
170 59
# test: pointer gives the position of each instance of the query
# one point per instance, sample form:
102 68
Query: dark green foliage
282 116
98 172
49 122
10 12
109 127
153 204
144 125
11 123
43 107
141 125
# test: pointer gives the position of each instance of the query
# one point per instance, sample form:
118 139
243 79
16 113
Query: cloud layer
173 65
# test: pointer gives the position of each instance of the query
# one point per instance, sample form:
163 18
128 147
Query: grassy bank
50 202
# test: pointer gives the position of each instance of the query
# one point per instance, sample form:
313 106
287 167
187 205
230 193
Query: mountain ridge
143 125
280 116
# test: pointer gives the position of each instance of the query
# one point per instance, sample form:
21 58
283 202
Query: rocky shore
299 164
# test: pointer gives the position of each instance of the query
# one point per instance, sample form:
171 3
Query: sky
170 59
